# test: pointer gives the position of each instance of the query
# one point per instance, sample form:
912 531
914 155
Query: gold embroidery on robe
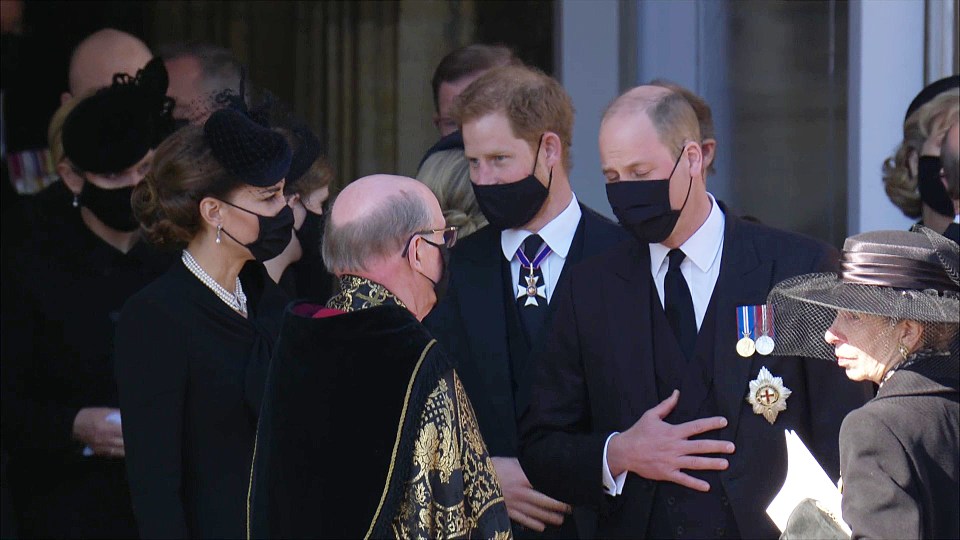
453 484
356 293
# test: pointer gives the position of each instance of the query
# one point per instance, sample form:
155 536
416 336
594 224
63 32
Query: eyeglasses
449 238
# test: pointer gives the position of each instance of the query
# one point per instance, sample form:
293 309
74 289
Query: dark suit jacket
470 324
596 376
899 455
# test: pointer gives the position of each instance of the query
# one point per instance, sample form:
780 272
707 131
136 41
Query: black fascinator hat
243 143
931 91
114 129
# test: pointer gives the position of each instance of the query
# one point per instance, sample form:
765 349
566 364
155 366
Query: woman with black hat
890 317
64 285
193 347
911 176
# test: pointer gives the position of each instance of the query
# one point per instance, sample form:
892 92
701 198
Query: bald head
102 54
671 114
372 218
371 194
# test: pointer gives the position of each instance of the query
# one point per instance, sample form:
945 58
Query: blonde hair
55 128
899 183
447 174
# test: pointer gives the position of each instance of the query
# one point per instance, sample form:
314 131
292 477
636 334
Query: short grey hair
350 247
220 68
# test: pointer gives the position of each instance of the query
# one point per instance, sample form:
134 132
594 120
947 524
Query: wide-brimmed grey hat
898 275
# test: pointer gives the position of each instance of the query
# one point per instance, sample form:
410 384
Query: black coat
596 376
63 288
191 374
900 455
470 325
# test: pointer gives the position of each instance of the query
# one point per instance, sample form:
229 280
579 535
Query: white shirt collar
558 234
703 247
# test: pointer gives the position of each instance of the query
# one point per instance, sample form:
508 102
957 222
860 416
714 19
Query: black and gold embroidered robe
366 431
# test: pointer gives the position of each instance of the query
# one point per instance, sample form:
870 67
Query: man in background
99 56
456 71
198 71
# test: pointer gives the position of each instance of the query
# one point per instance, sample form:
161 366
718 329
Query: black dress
63 288
191 375
900 455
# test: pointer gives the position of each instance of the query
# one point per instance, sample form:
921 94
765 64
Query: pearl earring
76 201
219 228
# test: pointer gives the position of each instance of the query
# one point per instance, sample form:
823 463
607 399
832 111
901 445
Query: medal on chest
768 395
533 289
765 343
745 323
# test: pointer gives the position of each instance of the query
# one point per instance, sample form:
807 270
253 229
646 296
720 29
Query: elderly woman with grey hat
193 346
891 317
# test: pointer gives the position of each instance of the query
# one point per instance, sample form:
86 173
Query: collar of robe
355 293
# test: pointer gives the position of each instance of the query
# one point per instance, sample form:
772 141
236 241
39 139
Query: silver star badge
531 291
768 395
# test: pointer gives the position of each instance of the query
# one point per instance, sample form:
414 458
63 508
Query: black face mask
111 206
441 285
310 234
643 207
508 206
274 235
932 192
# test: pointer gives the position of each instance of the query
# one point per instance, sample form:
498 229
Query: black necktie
532 292
678 304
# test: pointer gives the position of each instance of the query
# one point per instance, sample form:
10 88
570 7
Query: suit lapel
574 255
630 329
744 280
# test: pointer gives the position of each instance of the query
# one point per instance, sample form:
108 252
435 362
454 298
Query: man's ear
71 179
413 253
552 150
210 211
65 97
694 157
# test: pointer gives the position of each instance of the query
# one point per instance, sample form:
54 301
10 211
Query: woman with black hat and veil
891 317
193 347
64 285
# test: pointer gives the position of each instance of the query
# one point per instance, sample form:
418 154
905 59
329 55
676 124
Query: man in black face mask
516 125
386 242
640 383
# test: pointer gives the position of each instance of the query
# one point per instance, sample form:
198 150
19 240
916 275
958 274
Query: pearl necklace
237 301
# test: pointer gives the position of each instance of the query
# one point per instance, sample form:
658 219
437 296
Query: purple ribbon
544 252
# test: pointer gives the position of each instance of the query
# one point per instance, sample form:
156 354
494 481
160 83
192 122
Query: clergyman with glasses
366 430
